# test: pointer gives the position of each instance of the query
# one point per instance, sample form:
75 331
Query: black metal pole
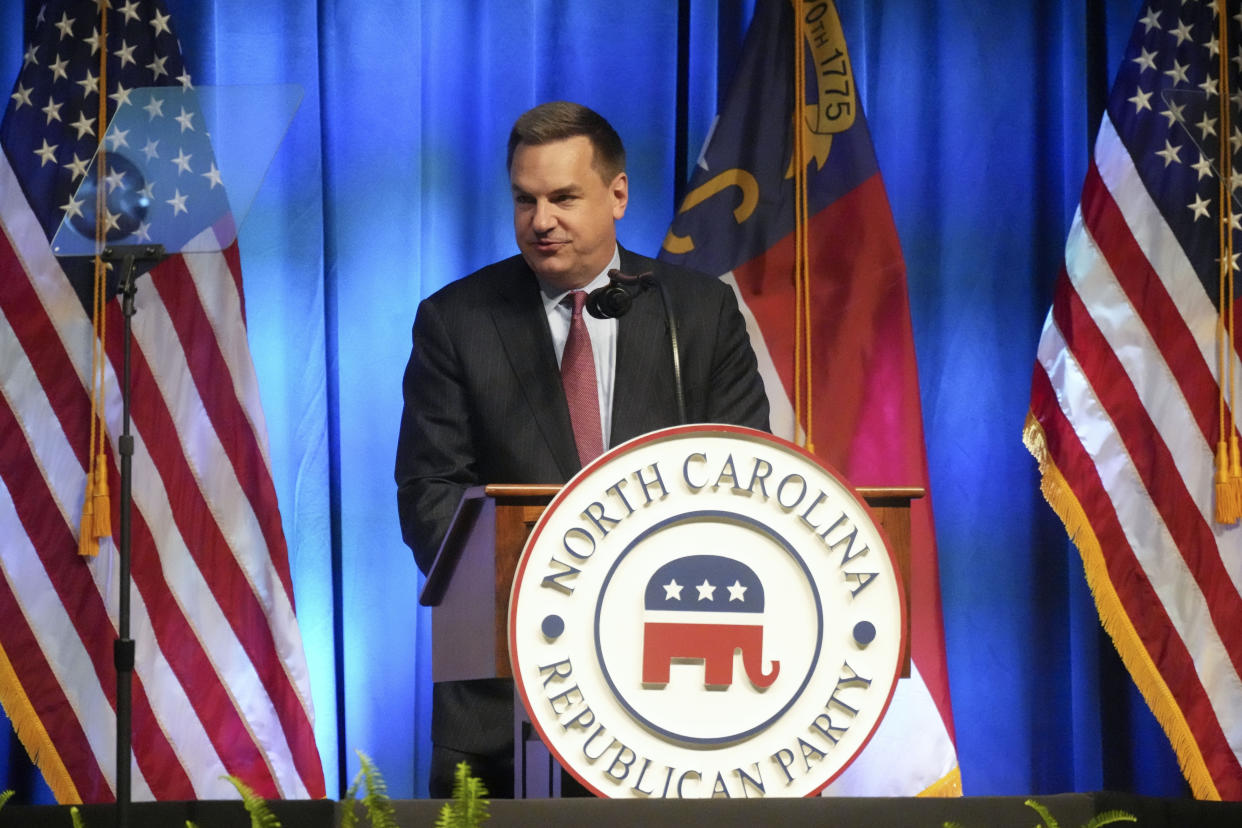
681 115
123 650
1097 68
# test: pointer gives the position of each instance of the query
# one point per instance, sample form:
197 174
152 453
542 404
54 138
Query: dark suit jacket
483 395
484 404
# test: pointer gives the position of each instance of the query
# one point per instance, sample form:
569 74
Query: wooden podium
471 578
469 582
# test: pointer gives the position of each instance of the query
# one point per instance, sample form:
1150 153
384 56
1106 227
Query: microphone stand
123 649
673 346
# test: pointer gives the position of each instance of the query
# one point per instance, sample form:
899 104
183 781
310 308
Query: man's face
564 213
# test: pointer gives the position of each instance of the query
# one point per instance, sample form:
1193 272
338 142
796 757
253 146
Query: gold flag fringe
34 736
1113 617
949 785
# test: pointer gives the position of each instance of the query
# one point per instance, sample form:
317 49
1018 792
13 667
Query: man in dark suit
484 400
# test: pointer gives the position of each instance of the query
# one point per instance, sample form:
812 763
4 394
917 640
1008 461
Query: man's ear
620 189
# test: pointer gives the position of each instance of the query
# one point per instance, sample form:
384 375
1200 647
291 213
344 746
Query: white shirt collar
553 295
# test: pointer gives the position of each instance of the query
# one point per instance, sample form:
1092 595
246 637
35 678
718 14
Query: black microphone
614 299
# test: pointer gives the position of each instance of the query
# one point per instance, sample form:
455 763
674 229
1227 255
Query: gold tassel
102 500
1228 468
96 506
96 509
1235 477
88 545
1228 490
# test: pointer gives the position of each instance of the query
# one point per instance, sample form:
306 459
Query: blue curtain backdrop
391 183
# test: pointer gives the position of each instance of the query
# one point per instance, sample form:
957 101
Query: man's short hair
559 120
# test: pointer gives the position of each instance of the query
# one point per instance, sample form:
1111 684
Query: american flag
858 380
220 683
1125 410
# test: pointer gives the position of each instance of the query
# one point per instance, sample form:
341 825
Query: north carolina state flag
836 349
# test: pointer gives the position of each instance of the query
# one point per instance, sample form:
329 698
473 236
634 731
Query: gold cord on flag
1228 464
802 282
97 506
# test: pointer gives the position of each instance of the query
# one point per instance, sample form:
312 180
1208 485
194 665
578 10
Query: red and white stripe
1125 392
220 684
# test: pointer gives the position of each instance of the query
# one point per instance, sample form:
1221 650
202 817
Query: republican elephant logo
705 608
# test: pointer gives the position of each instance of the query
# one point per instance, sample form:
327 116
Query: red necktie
581 390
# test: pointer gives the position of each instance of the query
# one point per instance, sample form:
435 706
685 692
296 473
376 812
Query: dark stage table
1070 811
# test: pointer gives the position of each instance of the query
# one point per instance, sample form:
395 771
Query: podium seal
706 611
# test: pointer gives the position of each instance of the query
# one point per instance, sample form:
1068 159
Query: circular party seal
706 611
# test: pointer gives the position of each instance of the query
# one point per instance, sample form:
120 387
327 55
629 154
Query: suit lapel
642 355
523 329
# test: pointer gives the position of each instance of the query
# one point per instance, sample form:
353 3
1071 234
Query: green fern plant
1044 814
1109 817
469 806
1106 818
349 816
260 815
375 801
468 795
